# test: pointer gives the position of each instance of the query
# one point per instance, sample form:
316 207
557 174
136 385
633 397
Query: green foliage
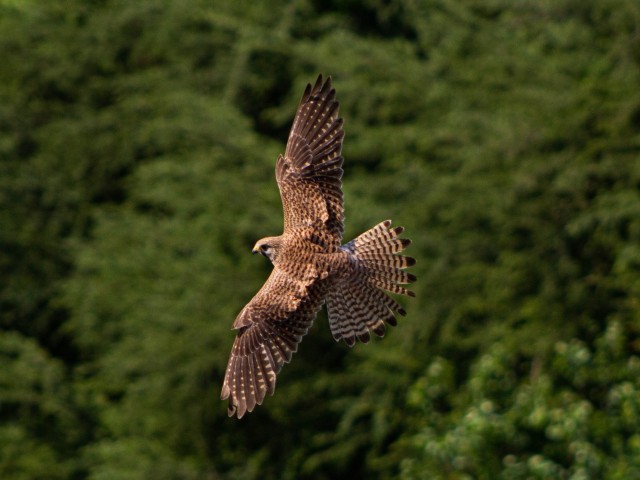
577 410
40 420
137 147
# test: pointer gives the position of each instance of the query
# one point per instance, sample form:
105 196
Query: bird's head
268 247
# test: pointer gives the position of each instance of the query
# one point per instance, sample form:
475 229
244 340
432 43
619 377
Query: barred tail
358 303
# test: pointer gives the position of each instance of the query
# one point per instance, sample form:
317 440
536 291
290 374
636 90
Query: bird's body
311 267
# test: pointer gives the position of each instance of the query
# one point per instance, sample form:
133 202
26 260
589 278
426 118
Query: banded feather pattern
270 327
312 165
310 266
358 303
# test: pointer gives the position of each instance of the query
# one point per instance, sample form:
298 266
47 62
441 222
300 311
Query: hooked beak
254 250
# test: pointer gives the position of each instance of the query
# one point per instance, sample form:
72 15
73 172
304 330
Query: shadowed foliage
138 143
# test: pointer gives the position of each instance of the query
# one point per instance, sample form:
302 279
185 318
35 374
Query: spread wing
270 328
309 174
272 324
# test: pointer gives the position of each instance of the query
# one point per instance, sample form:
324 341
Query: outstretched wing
270 328
309 174
272 324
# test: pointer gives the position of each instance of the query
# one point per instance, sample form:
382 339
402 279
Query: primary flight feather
310 267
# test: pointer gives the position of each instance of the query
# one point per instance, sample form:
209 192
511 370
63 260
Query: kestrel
310 267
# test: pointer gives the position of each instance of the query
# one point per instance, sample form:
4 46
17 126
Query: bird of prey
310 267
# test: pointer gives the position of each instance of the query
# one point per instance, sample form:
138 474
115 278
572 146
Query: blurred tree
137 147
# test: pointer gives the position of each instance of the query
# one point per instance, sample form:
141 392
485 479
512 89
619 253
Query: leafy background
137 147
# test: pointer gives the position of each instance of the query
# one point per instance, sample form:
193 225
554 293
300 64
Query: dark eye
264 247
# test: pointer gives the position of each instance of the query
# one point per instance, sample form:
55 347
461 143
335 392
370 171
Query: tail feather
352 313
359 304
396 261
390 286
390 246
385 272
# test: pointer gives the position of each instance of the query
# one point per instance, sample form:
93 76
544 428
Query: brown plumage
310 266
